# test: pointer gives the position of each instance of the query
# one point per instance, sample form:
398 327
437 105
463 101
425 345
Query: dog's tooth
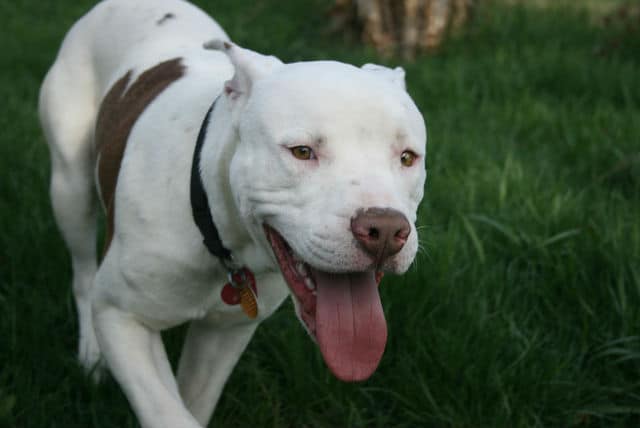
302 270
308 282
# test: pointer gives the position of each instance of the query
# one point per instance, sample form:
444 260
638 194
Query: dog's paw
90 358
93 366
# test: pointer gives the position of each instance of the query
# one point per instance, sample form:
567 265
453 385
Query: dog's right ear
249 67
394 75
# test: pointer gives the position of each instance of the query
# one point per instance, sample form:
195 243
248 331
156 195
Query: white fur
157 274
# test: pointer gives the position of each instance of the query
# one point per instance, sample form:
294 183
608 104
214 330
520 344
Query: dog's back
117 35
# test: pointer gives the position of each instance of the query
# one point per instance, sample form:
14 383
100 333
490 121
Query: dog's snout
382 232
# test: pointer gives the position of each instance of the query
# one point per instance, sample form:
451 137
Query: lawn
522 310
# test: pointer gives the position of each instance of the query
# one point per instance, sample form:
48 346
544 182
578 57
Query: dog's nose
382 232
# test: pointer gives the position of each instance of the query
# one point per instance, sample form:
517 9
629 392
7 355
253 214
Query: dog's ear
249 66
395 75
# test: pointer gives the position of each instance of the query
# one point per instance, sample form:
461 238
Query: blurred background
523 307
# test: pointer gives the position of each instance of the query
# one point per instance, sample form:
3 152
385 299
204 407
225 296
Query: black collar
200 204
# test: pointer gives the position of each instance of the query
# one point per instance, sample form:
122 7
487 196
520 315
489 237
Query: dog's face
328 175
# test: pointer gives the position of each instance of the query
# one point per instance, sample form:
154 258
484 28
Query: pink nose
382 232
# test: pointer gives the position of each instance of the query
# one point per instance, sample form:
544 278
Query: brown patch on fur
119 111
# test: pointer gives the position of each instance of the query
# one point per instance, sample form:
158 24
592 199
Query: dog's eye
302 152
407 158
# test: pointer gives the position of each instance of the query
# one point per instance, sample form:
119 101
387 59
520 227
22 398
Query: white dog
295 179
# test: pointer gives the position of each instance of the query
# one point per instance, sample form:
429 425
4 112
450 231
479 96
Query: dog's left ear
395 75
249 67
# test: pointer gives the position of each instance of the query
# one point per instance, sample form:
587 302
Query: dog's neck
218 146
200 204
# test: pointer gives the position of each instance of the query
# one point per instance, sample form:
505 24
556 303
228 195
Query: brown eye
407 158
302 152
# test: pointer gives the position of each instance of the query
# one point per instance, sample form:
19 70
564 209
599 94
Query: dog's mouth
342 311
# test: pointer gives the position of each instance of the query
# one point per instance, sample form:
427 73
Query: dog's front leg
136 357
208 357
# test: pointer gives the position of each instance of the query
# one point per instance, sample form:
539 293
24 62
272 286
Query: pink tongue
350 325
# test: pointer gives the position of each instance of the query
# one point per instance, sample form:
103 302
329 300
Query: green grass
523 310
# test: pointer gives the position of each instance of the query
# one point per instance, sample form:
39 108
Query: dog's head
327 175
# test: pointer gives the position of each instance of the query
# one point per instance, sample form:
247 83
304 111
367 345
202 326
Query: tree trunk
402 26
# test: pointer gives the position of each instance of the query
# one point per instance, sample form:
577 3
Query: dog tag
242 290
248 302
230 295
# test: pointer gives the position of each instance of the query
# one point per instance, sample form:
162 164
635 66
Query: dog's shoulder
119 111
